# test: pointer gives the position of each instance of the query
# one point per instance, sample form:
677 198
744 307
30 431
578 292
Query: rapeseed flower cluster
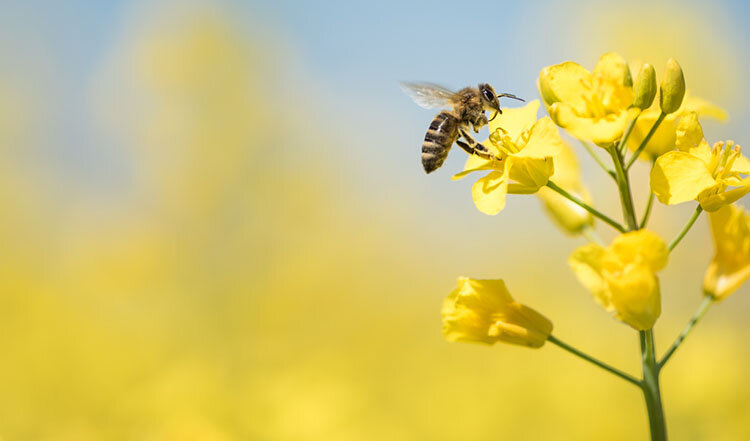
657 122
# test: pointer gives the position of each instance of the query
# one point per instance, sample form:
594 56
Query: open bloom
622 277
593 106
524 146
570 217
730 267
483 311
711 175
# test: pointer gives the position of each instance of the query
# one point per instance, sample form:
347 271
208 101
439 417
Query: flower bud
645 87
672 89
482 311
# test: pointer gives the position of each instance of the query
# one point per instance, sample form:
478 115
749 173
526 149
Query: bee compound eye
487 95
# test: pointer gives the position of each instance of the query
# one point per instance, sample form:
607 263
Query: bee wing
428 95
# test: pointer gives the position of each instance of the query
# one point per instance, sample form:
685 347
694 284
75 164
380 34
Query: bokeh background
215 226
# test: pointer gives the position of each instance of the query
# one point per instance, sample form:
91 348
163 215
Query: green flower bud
627 79
645 87
672 87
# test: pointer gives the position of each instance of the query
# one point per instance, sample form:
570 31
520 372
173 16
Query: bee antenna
510 95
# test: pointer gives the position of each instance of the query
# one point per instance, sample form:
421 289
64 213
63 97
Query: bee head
489 98
490 101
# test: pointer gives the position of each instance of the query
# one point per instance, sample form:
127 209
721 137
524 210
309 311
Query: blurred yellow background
215 226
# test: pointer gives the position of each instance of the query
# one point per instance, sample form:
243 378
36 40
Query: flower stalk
599 160
650 387
623 184
702 310
606 219
647 213
651 132
686 228
650 365
590 359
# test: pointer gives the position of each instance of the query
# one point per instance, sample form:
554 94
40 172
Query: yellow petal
642 246
710 200
741 165
473 163
616 86
564 83
529 174
491 294
730 266
544 140
635 296
515 120
601 131
613 68
567 171
483 311
463 324
518 324
489 192
662 141
703 108
689 132
719 282
666 137
690 139
679 177
586 263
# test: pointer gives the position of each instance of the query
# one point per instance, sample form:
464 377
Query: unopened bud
672 87
645 87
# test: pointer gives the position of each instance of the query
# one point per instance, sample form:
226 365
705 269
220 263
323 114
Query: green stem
589 233
623 184
686 228
707 302
650 386
621 146
605 366
586 207
647 213
646 140
649 204
598 159
650 383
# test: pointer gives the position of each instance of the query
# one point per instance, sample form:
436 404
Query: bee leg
474 148
473 143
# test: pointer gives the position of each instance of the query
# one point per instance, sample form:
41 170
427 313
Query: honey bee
469 105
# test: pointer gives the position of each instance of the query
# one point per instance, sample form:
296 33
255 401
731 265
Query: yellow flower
593 106
483 311
525 147
697 172
730 267
622 276
570 217
665 137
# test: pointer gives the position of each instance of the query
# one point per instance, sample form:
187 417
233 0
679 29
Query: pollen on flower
714 176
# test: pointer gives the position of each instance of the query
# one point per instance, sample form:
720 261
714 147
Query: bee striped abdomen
439 139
